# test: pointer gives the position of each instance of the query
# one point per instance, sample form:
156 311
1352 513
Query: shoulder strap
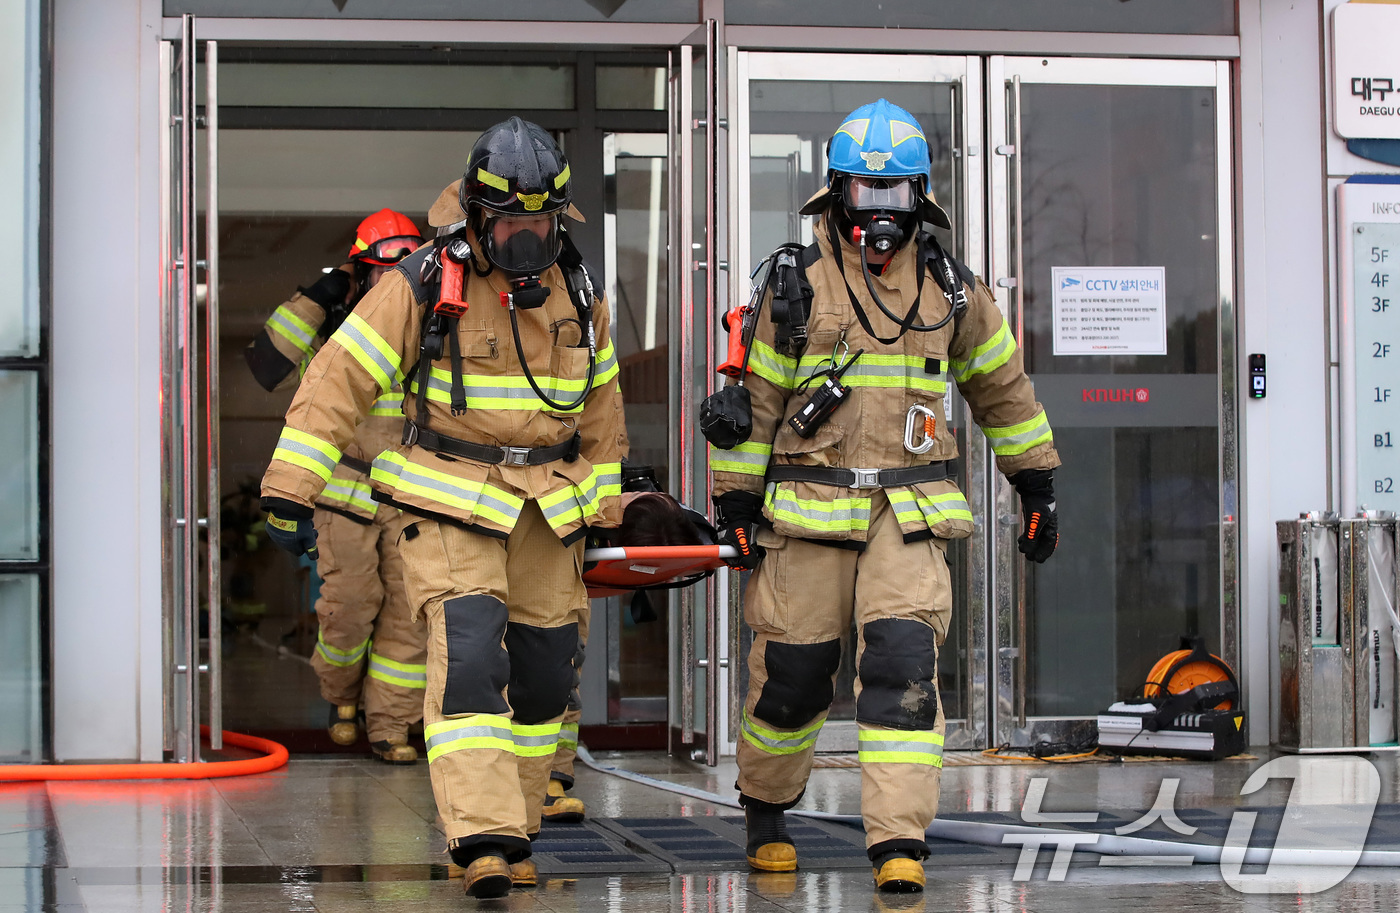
412 269
791 302
951 274
581 280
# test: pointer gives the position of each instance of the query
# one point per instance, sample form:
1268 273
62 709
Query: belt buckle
516 456
866 478
410 433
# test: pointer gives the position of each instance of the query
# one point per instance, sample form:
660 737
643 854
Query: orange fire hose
275 756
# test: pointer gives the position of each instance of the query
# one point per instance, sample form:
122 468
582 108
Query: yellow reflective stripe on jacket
568 736
534 741
1017 439
307 451
338 657
369 349
987 357
390 404
394 470
767 363
749 458
405 675
575 502
835 515
773 741
501 392
900 372
606 368
897 746
480 730
910 506
285 323
352 494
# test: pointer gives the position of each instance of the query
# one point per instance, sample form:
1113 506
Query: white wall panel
1283 238
106 456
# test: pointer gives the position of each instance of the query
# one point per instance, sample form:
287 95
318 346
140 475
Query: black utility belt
864 478
486 453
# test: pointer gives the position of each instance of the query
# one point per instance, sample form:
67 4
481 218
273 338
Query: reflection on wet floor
347 835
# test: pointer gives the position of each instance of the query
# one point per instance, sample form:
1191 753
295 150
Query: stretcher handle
659 552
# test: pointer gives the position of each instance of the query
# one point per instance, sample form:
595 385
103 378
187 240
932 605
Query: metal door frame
964 73
1004 78
182 469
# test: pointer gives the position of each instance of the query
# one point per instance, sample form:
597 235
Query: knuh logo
1122 395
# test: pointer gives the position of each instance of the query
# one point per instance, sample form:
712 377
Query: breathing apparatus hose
870 286
275 756
525 362
986 834
905 323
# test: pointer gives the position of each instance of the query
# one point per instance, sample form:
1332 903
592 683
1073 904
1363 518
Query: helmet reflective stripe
901 132
562 179
855 129
491 180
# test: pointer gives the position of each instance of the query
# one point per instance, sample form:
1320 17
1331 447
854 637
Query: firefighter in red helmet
370 652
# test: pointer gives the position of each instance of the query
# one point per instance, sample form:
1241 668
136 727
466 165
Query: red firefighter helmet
385 238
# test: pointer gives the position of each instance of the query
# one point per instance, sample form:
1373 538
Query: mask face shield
521 244
880 194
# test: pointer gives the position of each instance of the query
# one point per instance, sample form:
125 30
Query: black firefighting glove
330 290
736 517
289 527
1042 530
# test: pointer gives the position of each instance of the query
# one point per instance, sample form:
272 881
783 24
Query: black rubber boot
769 847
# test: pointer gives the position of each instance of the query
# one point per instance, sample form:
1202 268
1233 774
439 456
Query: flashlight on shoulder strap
451 302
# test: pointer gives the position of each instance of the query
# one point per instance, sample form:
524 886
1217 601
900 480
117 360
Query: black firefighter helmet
518 178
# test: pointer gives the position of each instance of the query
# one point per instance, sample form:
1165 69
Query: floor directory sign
1368 229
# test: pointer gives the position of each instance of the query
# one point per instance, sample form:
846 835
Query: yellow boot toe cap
904 876
774 857
488 876
524 874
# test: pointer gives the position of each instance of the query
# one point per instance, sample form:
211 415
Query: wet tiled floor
350 835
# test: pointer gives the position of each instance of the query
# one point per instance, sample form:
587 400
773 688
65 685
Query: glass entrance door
1111 247
784 108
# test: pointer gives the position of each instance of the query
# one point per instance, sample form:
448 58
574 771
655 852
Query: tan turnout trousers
369 648
800 603
499 612
567 751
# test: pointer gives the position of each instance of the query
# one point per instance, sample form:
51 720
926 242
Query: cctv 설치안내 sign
1110 310
1366 70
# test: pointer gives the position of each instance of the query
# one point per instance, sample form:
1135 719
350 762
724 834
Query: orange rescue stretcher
614 571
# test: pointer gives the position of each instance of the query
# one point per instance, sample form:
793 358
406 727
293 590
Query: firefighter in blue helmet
843 496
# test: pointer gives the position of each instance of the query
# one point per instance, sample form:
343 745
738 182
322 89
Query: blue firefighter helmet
880 140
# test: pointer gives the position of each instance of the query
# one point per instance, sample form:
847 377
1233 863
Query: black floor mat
587 848
702 844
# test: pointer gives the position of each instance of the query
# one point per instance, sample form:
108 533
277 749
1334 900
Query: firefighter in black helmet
512 449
